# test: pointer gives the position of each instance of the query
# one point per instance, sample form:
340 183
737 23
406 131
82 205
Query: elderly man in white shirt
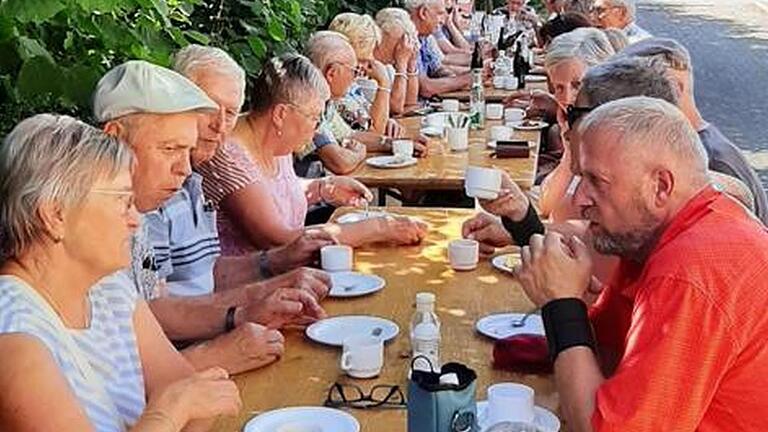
619 14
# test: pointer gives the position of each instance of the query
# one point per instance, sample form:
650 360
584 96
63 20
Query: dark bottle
501 45
520 63
477 57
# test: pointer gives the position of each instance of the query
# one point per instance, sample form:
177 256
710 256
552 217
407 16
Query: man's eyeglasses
574 113
126 198
358 71
352 396
600 10
317 120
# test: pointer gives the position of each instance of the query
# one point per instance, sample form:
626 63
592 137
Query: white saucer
492 144
391 161
499 326
320 419
528 125
353 284
535 78
499 262
544 419
360 216
333 331
432 131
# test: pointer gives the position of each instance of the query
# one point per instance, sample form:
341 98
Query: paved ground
729 44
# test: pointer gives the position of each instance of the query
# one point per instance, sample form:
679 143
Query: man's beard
634 244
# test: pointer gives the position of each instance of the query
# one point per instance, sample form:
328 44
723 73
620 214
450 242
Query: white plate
353 284
303 418
432 131
544 419
535 78
360 216
492 144
499 326
391 161
531 125
333 331
499 262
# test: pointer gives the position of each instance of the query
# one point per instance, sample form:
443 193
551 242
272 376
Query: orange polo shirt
690 326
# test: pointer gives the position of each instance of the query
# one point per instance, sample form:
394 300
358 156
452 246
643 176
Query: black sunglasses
575 113
352 396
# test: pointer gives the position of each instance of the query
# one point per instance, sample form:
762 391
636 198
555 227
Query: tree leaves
35 11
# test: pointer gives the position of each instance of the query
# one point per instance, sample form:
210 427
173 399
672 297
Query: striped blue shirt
108 345
185 241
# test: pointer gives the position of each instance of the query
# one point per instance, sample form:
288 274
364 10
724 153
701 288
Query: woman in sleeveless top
77 358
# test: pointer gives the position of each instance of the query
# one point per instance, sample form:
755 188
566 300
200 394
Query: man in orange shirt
694 268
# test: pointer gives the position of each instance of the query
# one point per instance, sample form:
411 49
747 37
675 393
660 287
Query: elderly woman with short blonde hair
399 50
91 358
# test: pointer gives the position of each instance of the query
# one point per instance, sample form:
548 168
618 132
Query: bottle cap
425 298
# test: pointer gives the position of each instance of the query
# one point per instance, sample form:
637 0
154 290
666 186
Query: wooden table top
306 371
444 169
493 94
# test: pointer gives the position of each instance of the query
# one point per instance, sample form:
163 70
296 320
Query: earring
279 133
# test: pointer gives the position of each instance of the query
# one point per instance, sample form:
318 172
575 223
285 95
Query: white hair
628 5
650 126
412 5
193 59
326 47
587 44
50 159
361 30
391 18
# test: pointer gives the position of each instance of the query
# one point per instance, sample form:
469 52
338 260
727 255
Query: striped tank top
110 385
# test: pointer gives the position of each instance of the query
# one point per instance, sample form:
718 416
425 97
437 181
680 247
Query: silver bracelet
401 74
384 89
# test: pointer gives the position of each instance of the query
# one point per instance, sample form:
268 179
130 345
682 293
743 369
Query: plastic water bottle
502 67
425 334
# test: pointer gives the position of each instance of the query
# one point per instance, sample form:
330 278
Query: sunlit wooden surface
491 93
444 169
307 369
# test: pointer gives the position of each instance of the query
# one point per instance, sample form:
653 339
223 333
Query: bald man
686 306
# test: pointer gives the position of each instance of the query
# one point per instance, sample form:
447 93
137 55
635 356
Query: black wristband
229 319
522 231
567 325
264 265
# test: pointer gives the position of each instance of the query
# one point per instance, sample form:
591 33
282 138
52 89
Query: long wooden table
493 94
306 371
444 169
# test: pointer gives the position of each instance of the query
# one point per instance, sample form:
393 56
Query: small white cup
510 83
463 254
402 148
513 115
510 402
483 183
451 105
501 133
336 258
362 356
458 138
494 111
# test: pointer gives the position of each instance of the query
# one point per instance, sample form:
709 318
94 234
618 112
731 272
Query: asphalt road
730 67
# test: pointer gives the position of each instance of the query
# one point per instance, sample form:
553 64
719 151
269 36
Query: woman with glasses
77 358
287 103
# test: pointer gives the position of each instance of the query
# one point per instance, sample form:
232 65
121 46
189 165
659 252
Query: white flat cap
141 87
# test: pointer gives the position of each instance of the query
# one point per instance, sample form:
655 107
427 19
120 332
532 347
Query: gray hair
50 158
587 44
361 30
626 77
326 47
192 59
390 19
288 78
412 5
580 6
649 124
628 5
670 51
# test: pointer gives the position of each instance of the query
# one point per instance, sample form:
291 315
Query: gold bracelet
163 417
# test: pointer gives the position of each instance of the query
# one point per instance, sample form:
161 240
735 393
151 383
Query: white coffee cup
402 148
494 111
484 183
510 83
362 356
451 105
513 115
463 254
510 402
458 138
336 258
501 133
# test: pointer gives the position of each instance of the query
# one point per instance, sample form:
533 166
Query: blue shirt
429 59
185 240
726 158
